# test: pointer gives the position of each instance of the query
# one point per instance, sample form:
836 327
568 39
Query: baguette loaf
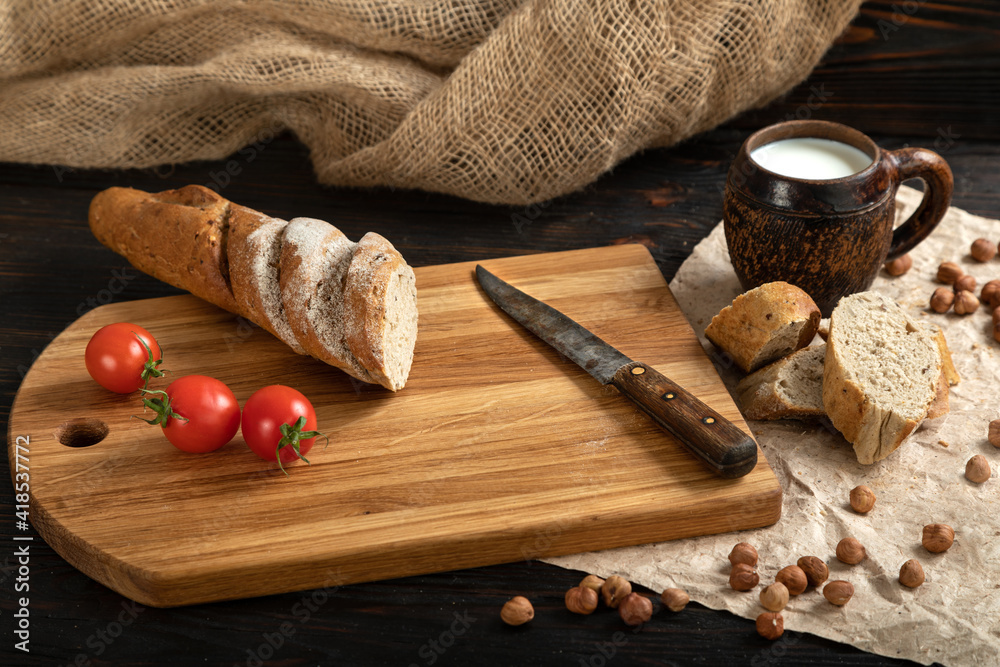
764 324
350 305
882 372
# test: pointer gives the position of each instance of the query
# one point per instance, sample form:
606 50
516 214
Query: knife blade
714 440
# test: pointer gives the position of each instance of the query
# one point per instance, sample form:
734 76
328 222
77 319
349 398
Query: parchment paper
954 617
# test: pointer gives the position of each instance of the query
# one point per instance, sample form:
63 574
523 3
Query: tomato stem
291 436
161 406
149 369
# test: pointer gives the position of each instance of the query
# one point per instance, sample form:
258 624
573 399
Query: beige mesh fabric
504 101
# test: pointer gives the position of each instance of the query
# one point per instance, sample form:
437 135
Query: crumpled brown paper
954 617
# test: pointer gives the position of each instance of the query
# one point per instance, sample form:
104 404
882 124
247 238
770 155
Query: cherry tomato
198 413
118 360
279 423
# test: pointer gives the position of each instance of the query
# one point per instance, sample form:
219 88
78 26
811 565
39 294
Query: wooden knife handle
715 440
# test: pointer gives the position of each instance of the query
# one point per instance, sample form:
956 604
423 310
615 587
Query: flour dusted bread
350 305
764 324
882 373
314 262
255 251
381 298
790 388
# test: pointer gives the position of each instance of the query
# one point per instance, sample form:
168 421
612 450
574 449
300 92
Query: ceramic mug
828 237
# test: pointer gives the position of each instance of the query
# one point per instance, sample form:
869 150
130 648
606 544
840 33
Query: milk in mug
811 158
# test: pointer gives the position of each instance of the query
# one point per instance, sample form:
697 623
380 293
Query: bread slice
764 324
380 297
315 257
790 388
178 236
254 256
882 371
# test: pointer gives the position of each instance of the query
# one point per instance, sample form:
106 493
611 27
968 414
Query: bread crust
137 225
755 318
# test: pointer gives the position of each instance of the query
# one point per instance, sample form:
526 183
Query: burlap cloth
503 101
954 618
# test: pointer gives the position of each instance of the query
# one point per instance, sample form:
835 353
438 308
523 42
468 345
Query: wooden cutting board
497 450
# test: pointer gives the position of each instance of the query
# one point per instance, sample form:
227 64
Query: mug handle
939 183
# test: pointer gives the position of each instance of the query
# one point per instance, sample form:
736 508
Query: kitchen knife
716 441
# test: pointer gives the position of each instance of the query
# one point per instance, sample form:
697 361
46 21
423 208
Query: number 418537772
21 480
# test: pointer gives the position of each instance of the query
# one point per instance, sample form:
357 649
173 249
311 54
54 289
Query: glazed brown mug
828 236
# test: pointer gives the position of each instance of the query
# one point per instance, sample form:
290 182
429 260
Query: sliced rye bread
315 257
764 324
881 374
254 259
790 388
380 297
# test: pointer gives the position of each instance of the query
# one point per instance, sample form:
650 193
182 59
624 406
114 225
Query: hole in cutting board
81 432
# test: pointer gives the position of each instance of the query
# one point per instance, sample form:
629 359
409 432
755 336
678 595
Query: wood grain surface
495 440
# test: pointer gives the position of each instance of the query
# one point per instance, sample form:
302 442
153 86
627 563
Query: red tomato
198 413
118 360
279 419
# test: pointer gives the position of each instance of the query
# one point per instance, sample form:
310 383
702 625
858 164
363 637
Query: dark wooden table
909 73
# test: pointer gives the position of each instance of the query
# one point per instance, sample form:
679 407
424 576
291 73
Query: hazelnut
517 611
994 433
938 537
900 265
743 553
793 578
977 469
838 592
850 551
966 282
581 600
593 582
774 597
966 303
996 328
949 272
815 570
911 574
675 599
770 625
635 609
614 590
990 293
942 299
862 499
743 577
983 250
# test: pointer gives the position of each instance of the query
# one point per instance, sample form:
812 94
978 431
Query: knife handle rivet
669 396
708 420
638 370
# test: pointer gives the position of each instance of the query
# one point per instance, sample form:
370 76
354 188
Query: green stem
149 369
291 436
